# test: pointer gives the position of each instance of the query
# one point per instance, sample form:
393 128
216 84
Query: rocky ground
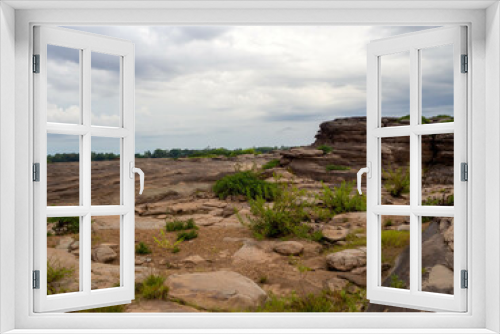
226 268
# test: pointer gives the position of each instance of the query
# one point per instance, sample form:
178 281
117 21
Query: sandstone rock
336 284
74 246
220 290
289 248
449 237
193 261
359 280
235 239
252 253
355 218
440 280
65 243
60 257
347 260
103 254
403 227
302 152
139 261
334 234
228 211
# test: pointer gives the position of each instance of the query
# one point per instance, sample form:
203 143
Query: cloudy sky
200 86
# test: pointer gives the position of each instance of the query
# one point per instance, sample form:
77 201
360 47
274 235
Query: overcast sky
233 87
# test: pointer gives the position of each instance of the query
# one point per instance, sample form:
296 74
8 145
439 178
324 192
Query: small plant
186 236
388 222
271 164
65 225
142 248
245 183
396 282
325 148
263 280
443 201
153 288
340 200
163 242
56 273
397 181
179 225
336 167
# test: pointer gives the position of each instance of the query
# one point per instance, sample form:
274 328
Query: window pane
63 254
63 85
395 252
395 170
438 169
437 254
63 170
105 171
105 90
437 83
395 89
106 235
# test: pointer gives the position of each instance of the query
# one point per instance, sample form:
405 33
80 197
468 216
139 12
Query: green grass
396 282
55 273
397 181
180 225
342 199
271 164
245 183
443 201
353 242
336 167
395 239
186 236
153 288
142 249
325 148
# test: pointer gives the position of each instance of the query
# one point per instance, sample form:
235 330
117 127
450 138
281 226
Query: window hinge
465 279
464 171
36 63
36 279
36 172
465 64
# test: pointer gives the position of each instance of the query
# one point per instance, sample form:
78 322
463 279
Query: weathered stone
336 284
220 290
334 234
403 227
193 261
359 280
440 280
103 254
347 260
65 242
302 152
252 253
289 248
74 246
449 237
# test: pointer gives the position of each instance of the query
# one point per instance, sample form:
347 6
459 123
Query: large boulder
289 248
253 253
220 290
103 254
347 260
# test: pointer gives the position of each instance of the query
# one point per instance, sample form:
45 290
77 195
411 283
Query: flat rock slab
289 248
254 254
220 290
334 234
347 260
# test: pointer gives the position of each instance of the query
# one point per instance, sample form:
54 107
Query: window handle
139 171
368 171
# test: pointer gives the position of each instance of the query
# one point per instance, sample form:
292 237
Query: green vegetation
395 239
56 273
65 225
340 200
75 157
396 282
263 280
352 241
271 164
207 152
397 182
186 236
142 249
153 288
443 201
325 148
180 225
430 120
336 167
245 183
163 242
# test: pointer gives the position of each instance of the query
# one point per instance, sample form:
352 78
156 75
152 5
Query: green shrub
397 182
340 200
325 148
336 167
186 236
396 282
163 242
142 248
245 183
271 164
55 273
65 225
153 288
180 225
443 201
284 217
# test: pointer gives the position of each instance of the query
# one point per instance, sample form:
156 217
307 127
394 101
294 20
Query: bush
245 183
56 273
153 288
340 199
65 225
443 201
325 148
397 181
396 282
142 248
271 164
163 242
336 167
186 236
180 225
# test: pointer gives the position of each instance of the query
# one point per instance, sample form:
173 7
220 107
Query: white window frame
482 19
